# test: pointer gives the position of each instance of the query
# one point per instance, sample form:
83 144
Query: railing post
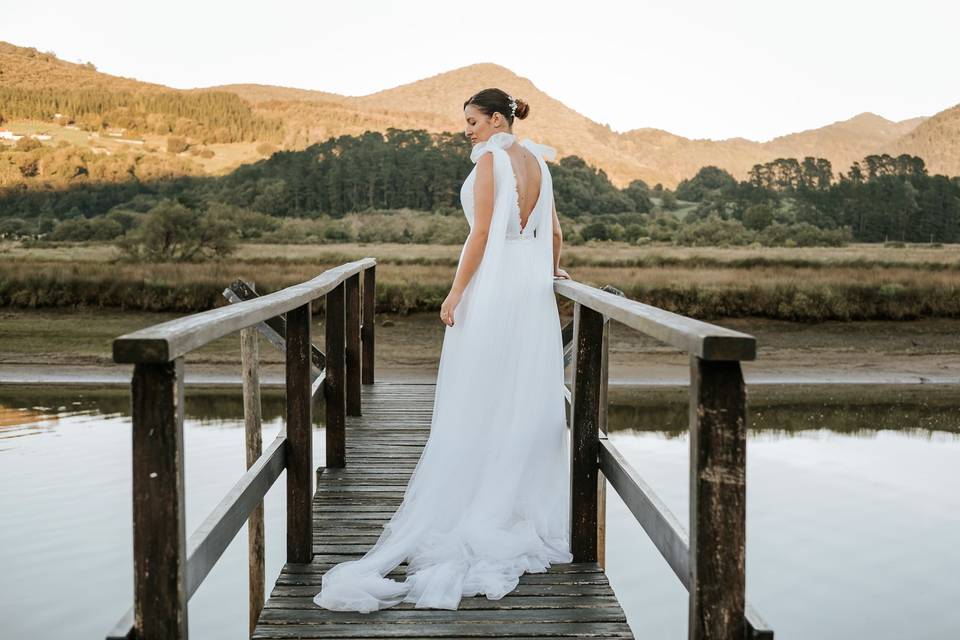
299 437
718 445
353 344
369 322
584 436
159 533
250 365
601 480
333 387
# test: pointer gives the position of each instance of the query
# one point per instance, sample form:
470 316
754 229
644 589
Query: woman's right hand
560 273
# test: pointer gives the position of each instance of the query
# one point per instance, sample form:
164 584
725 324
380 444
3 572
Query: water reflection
24 421
203 405
786 410
852 509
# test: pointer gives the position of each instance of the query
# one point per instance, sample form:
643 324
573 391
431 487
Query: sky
700 69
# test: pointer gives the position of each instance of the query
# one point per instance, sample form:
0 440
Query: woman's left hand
449 304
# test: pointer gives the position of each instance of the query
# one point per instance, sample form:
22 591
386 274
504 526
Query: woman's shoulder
500 140
540 150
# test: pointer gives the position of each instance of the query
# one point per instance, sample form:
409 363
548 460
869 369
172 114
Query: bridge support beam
299 436
334 391
718 448
369 322
352 334
584 434
159 524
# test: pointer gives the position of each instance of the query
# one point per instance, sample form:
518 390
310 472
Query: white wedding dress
489 498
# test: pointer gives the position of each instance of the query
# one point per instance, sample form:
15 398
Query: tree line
880 198
206 116
402 169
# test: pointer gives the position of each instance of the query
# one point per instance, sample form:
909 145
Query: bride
489 498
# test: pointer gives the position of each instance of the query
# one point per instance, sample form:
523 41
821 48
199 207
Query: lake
853 512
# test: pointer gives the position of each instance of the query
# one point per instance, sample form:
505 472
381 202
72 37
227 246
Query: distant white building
128 141
6 134
41 136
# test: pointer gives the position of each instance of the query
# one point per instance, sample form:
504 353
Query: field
857 282
226 156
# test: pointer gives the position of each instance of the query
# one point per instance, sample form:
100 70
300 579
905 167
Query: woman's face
481 126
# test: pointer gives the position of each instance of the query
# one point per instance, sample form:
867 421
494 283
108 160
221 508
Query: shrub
758 217
173 232
266 149
101 228
243 223
177 144
714 231
596 231
803 234
27 143
669 201
13 228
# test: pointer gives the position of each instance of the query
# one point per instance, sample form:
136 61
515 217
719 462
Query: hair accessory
513 105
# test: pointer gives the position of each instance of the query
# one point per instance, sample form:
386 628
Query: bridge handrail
168 566
169 340
710 563
705 340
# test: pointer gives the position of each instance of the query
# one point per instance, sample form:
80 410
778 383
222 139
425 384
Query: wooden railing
710 562
168 567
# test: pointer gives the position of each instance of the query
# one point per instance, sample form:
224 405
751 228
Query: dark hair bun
523 109
491 101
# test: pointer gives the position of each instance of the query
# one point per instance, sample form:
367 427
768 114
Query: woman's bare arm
557 238
483 213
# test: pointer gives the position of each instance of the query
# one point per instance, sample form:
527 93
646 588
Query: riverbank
73 347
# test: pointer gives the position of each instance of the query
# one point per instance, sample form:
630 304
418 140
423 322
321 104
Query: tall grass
791 284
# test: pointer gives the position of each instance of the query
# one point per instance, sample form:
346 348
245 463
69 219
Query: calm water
853 511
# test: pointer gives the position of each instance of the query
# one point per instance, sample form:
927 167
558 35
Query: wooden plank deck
351 506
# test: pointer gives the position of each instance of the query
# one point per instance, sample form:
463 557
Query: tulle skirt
489 497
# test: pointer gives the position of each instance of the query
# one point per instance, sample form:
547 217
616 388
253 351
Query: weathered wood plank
475 603
588 591
432 616
529 578
448 630
317 566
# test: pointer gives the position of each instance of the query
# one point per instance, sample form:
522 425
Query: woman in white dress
489 498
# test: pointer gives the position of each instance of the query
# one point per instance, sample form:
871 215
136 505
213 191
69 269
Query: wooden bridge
374 437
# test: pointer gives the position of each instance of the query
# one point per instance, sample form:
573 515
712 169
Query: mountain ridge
434 104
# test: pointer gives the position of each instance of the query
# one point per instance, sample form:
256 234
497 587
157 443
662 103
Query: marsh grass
859 282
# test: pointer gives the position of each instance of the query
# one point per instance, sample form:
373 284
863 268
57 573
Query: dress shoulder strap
540 150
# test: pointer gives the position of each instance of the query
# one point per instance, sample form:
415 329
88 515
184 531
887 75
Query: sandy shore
408 348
